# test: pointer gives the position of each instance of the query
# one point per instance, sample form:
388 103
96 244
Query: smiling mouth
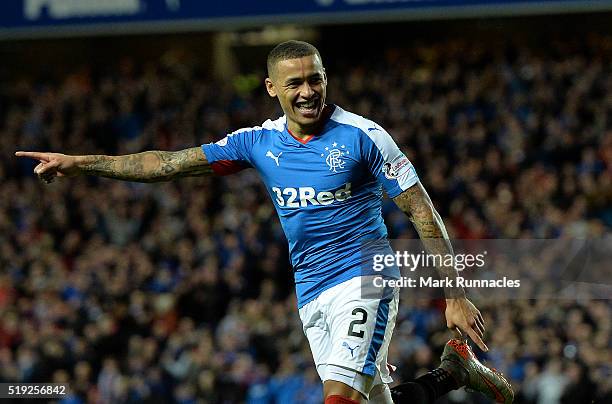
308 108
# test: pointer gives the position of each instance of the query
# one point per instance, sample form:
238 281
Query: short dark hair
290 50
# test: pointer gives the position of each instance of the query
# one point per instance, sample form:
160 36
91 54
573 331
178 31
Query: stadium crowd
182 292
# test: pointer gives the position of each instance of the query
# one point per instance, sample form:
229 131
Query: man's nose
306 90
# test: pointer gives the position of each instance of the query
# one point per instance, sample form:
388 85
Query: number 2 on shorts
362 320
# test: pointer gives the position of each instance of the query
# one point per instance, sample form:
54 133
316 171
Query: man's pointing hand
52 165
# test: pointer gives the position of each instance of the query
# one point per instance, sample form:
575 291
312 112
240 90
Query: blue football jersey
327 190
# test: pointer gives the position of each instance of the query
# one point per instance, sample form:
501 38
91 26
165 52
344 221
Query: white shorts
349 336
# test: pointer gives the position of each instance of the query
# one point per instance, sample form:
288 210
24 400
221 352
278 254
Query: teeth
309 104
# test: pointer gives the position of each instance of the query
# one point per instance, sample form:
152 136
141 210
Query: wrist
80 162
455 296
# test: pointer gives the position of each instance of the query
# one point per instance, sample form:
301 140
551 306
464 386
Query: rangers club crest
334 157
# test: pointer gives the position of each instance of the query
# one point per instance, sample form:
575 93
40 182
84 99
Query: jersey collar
328 111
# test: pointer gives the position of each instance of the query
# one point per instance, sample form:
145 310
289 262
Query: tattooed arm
427 221
149 166
460 312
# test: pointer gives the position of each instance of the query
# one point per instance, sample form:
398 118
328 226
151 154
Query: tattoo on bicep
182 163
167 164
191 162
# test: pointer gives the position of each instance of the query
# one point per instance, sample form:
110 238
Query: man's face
300 85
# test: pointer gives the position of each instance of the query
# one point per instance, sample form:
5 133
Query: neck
304 132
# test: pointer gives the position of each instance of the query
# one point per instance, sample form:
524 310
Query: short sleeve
232 153
387 163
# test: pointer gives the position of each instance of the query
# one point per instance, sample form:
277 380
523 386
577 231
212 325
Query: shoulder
370 132
344 117
255 132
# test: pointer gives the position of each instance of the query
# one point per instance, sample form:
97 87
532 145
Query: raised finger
34 155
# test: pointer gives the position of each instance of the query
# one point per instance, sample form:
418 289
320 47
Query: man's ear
270 87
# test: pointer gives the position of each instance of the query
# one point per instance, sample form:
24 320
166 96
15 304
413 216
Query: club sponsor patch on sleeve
394 170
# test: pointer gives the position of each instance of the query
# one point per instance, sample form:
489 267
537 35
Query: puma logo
273 157
347 346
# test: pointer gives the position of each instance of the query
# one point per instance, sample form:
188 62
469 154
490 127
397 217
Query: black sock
438 383
410 393
425 389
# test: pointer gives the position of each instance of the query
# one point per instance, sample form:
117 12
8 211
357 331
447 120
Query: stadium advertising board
31 18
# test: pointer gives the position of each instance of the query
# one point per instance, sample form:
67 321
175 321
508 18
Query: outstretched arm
149 166
460 312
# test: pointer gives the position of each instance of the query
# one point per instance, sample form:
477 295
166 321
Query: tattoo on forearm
150 166
99 165
416 204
